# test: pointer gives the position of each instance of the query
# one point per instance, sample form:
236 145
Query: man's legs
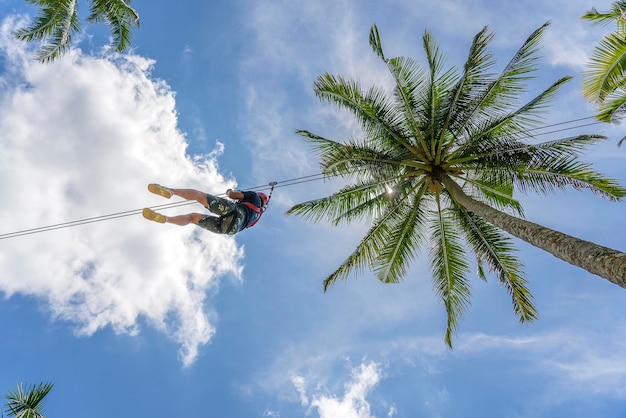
191 194
187 194
215 204
212 223
176 220
182 220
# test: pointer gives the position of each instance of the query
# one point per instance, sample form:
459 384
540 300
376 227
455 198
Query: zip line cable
299 180
561 130
284 183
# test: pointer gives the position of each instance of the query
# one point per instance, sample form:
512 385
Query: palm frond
349 157
376 115
614 106
54 26
119 16
409 78
517 123
570 146
389 194
404 241
473 78
606 70
361 198
434 93
616 14
550 174
449 266
368 250
27 402
375 42
505 90
436 60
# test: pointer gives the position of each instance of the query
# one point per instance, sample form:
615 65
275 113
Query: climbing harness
265 200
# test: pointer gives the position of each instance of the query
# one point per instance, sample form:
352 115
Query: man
234 215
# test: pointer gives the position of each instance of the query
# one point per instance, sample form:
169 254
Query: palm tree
27 402
58 20
439 161
604 81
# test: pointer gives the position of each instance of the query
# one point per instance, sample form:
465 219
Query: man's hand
234 194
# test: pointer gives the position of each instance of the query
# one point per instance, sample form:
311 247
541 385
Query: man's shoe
160 190
153 216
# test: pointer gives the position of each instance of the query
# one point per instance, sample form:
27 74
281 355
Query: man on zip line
243 211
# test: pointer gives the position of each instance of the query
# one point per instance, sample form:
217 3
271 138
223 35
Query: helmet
264 198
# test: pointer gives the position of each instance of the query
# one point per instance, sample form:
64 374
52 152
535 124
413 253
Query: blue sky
131 318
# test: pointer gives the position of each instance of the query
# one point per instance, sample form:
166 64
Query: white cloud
574 363
568 364
353 403
80 138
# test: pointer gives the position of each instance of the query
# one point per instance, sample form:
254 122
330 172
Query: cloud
564 365
353 403
80 138
574 364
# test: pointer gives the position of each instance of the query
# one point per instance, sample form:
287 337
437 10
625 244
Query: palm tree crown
444 141
27 402
58 20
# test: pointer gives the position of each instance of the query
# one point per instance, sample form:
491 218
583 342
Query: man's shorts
219 205
229 224
230 220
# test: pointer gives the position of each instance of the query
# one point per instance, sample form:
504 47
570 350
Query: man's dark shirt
249 215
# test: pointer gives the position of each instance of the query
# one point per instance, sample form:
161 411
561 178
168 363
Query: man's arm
234 194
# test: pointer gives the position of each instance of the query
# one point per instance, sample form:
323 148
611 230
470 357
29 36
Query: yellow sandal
153 216
160 190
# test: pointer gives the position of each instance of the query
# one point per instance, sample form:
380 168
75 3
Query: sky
131 318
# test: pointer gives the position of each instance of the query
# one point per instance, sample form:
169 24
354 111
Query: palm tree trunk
602 261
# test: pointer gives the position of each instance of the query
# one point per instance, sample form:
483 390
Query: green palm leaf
447 260
119 16
604 80
351 203
613 107
606 70
505 90
367 253
616 14
352 157
460 96
376 115
404 241
555 174
518 122
56 22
